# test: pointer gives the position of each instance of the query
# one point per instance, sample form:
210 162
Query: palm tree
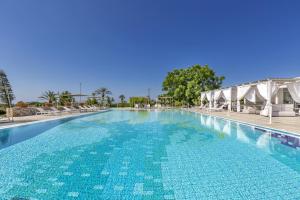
122 98
110 100
49 96
6 93
65 98
103 92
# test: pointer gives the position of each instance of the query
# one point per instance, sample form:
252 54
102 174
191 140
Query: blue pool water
147 155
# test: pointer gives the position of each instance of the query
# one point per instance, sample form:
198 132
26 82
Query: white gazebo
270 97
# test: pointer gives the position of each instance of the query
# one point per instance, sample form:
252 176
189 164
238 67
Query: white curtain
209 96
227 94
242 91
251 95
203 95
294 89
218 94
263 89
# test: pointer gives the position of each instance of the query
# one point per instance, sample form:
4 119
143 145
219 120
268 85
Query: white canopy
209 95
254 92
294 89
203 95
242 91
227 94
263 89
218 94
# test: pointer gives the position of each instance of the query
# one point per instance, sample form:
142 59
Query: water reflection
241 134
264 142
227 128
248 134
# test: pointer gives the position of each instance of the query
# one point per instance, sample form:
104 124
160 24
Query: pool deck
4 123
287 124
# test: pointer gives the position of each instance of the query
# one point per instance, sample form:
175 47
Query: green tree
103 92
65 98
138 100
49 96
6 92
185 85
122 98
110 100
92 101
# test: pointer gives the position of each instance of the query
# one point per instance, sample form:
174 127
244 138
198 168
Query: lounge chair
203 107
41 111
55 111
82 109
249 110
95 108
89 108
67 109
217 109
280 110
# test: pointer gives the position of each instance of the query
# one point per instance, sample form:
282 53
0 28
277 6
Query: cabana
225 96
270 97
207 96
219 97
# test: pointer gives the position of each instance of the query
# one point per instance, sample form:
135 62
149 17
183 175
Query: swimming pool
148 155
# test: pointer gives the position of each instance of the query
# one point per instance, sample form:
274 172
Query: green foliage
6 92
122 98
21 104
49 96
138 100
110 100
65 98
91 101
103 93
185 85
35 104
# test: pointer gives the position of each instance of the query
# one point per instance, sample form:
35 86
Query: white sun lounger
41 111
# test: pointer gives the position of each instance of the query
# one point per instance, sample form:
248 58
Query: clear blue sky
130 45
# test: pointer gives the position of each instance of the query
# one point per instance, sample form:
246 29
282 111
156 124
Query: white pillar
229 105
211 103
269 100
238 105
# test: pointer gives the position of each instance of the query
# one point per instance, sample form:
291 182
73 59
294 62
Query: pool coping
265 128
52 119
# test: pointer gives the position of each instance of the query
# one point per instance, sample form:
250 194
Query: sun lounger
280 110
55 111
217 109
249 110
89 108
82 109
41 111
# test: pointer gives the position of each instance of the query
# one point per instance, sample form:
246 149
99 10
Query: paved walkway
289 124
26 119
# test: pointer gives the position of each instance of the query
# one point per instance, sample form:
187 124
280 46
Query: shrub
21 104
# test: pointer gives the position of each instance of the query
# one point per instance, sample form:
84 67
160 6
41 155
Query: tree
110 100
138 100
103 92
122 98
93 100
65 98
185 85
49 96
6 92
